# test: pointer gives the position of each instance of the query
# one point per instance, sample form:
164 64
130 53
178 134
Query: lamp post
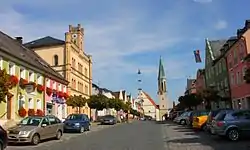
140 91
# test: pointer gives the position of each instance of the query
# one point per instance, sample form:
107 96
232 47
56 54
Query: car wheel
183 122
58 135
89 127
35 139
82 129
233 134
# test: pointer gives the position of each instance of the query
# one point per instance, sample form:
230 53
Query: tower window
55 60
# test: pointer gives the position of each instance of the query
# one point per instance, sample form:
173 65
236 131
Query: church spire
161 74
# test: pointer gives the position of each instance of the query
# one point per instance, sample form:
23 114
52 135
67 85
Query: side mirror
44 125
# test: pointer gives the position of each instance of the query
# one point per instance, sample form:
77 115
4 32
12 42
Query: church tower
162 91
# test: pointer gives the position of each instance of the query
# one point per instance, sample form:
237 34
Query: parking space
178 137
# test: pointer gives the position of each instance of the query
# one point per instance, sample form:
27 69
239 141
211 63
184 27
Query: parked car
109 119
200 119
33 129
175 114
211 116
3 139
77 123
232 124
183 118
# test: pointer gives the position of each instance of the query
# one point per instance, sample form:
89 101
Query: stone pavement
177 137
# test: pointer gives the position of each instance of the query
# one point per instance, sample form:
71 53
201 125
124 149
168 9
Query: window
21 101
244 69
39 79
241 51
86 89
31 76
48 82
80 67
22 73
11 69
230 64
238 77
73 63
226 83
31 103
1 63
235 57
55 60
86 72
38 104
64 89
54 85
59 87
232 79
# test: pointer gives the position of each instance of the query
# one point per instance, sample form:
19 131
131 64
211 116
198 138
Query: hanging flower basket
48 91
66 96
31 112
13 80
23 82
60 94
40 88
22 112
39 112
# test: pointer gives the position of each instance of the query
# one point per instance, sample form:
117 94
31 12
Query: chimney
19 39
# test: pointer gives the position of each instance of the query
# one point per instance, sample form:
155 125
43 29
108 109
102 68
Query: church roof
161 74
150 99
43 42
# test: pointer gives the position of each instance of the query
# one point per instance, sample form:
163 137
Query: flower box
40 88
31 112
48 91
13 80
39 112
60 94
22 112
66 96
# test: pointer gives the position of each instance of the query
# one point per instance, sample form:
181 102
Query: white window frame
38 104
32 77
31 103
22 71
1 63
11 68
59 87
39 79
20 100
64 89
54 85
47 82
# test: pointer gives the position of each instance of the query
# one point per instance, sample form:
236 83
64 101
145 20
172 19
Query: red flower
22 112
39 112
23 82
13 80
66 96
31 112
60 94
48 91
40 88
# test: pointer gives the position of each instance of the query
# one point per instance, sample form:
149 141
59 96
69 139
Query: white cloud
221 24
203 1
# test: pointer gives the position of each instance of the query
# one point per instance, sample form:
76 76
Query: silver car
32 129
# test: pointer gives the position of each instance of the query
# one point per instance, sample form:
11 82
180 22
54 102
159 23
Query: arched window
55 60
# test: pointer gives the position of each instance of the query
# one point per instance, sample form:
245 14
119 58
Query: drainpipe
44 98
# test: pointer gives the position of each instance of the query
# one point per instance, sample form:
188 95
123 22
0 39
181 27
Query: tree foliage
190 100
98 102
5 85
76 101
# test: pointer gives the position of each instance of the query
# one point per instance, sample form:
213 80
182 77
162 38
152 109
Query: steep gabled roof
15 49
150 99
43 42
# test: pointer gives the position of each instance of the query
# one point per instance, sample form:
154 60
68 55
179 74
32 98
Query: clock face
74 36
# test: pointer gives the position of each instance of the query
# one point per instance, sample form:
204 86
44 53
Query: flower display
66 96
48 91
13 80
31 112
23 82
60 94
22 112
39 112
40 88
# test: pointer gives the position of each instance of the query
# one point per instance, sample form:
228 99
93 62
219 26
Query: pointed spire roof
161 74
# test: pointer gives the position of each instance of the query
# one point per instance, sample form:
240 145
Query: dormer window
55 60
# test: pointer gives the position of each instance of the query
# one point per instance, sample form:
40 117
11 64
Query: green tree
210 95
117 104
188 101
76 101
98 102
5 85
126 106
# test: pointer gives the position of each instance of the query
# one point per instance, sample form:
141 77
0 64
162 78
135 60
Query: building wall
200 83
236 68
21 98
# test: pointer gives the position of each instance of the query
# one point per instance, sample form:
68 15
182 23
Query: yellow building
68 57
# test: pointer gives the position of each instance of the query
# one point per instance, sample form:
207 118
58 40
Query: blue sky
124 35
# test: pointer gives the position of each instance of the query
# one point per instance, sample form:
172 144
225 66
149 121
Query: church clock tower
162 91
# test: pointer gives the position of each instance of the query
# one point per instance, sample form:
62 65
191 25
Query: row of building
226 67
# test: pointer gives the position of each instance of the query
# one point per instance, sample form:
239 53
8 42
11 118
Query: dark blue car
77 123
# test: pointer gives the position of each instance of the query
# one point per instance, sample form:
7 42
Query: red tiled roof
150 99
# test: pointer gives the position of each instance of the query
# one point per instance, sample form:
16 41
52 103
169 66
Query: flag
197 56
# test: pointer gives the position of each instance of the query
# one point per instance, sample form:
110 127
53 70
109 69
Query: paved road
138 135
178 137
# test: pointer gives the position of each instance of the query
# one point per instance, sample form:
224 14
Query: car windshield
109 116
74 117
31 121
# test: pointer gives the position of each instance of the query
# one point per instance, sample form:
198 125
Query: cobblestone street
178 137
